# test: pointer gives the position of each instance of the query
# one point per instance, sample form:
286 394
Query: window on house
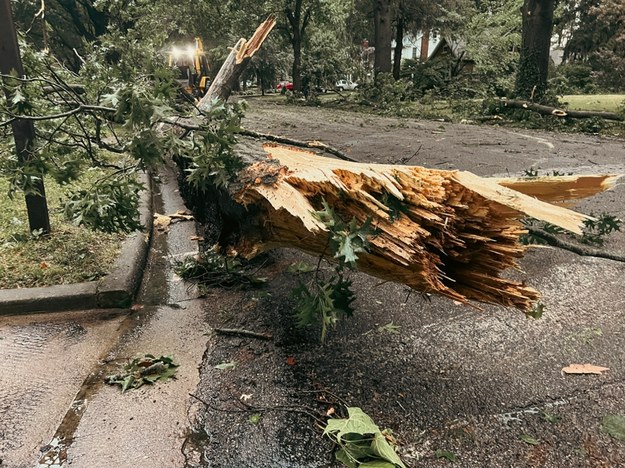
414 53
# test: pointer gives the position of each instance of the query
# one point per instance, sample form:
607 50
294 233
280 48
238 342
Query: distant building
418 46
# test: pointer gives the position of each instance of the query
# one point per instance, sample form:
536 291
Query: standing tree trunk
531 83
23 130
297 64
297 23
383 36
399 46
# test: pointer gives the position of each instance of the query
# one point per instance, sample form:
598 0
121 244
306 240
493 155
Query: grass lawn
594 102
70 254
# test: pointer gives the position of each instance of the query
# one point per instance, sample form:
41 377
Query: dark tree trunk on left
531 83
23 130
399 46
383 36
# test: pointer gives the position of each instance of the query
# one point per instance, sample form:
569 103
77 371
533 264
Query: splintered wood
446 232
228 76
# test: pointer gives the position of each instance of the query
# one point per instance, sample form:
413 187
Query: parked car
284 84
345 85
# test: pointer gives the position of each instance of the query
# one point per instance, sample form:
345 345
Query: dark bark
297 21
23 130
548 110
531 83
399 46
383 36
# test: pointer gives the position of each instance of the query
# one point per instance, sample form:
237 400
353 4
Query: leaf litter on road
144 370
614 424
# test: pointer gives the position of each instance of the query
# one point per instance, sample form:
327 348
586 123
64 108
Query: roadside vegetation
102 85
72 253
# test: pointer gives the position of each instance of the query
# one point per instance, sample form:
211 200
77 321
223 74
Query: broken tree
446 232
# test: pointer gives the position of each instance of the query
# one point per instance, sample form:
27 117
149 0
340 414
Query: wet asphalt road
449 377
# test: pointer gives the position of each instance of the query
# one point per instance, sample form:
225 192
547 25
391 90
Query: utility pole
23 130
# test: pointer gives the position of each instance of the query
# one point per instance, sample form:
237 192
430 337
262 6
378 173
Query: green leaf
537 311
451 456
614 424
357 422
389 328
255 418
226 365
346 459
550 417
127 382
301 267
378 464
529 440
385 451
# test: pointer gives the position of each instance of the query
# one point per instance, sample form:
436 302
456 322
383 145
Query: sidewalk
56 410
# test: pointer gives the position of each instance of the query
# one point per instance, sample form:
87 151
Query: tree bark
23 130
446 232
531 82
227 78
383 36
298 22
399 46
549 110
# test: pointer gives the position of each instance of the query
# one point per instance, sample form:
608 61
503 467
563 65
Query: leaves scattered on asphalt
226 365
614 424
451 456
301 267
361 441
584 369
528 439
144 370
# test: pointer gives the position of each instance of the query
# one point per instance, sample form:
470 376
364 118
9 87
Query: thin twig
260 409
302 144
243 332
75 110
571 247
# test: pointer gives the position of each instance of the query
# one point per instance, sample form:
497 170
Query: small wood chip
584 369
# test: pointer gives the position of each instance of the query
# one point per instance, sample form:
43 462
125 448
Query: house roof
457 47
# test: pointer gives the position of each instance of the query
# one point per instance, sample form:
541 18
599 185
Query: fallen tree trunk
557 112
446 232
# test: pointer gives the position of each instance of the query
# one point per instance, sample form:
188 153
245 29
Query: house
418 46
454 52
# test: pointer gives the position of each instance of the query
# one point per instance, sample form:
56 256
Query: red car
284 84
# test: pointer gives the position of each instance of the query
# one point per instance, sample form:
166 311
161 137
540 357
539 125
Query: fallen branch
575 248
243 333
446 232
557 112
301 144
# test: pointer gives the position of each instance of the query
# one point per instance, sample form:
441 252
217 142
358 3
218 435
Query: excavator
193 68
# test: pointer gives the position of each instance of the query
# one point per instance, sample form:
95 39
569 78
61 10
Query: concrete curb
115 290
